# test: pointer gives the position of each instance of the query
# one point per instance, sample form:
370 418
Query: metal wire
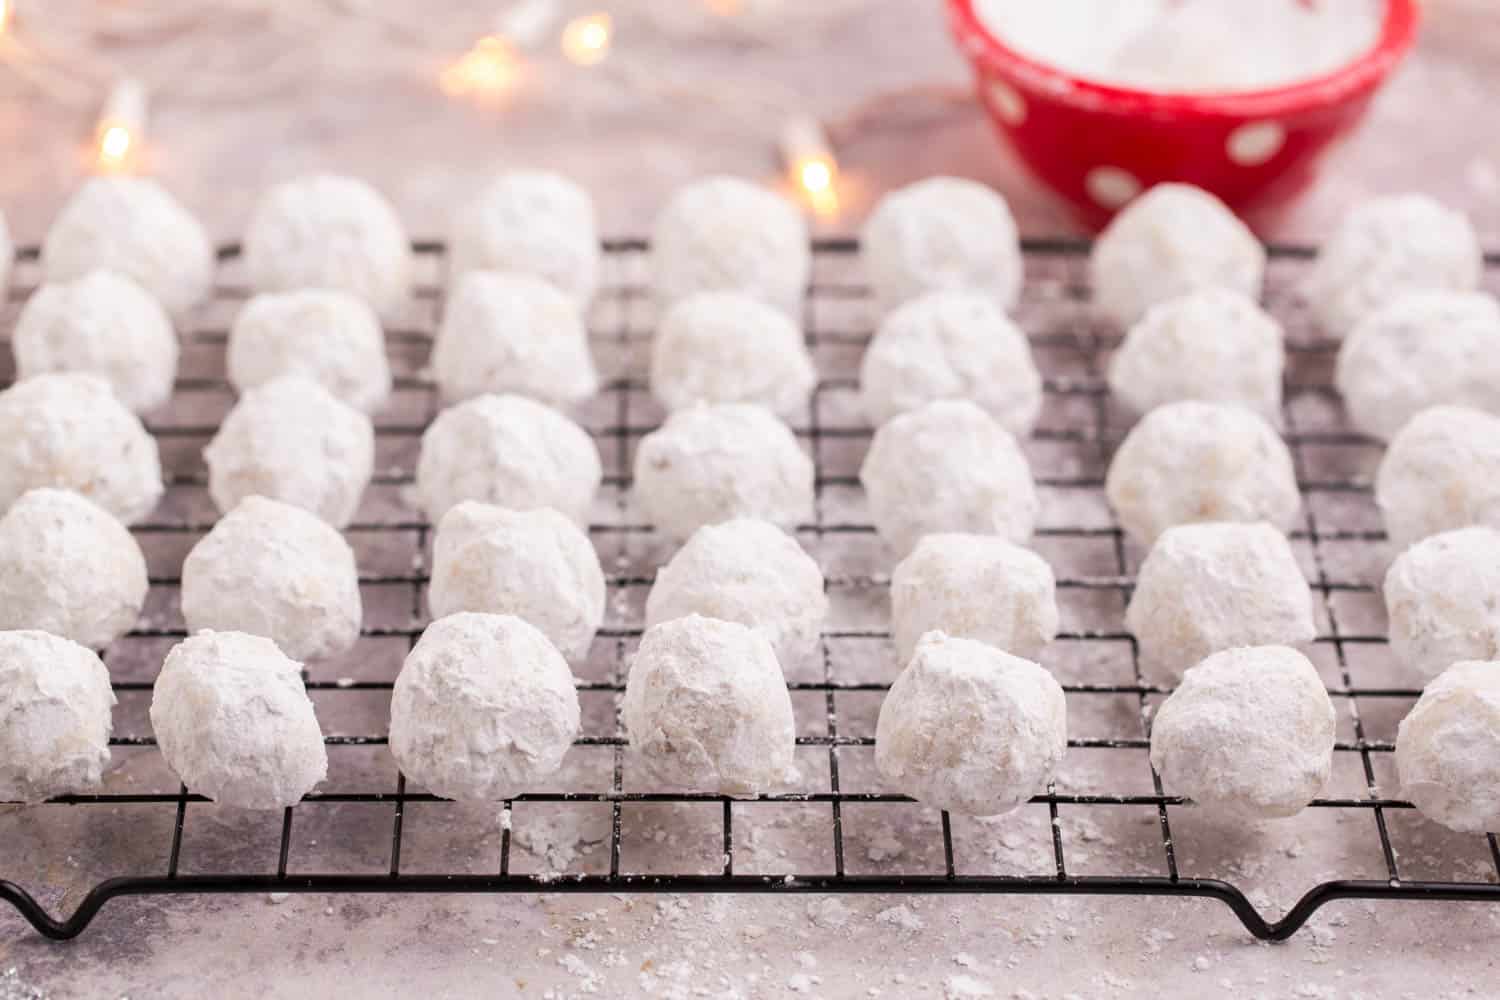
624 428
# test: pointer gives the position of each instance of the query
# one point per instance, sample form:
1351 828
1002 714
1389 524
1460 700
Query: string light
585 40
4 15
487 71
492 67
121 128
810 161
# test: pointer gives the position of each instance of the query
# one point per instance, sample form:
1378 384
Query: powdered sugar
1442 471
69 568
105 324
942 234
968 728
270 568
1443 599
69 431
1202 45
727 234
1448 748
328 231
512 332
974 587
507 450
537 565
951 345
1213 586
1173 240
706 707
1248 733
532 222
134 227
1169 355
483 709
708 464
1425 349
233 720
1190 462
55 701
1388 247
750 572
291 440
333 337
724 347
947 467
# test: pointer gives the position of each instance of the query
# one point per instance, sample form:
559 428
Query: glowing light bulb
585 40
115 143
811 164
817 175
4 15
488 70
121 128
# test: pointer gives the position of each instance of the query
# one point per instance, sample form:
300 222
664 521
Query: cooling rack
144 834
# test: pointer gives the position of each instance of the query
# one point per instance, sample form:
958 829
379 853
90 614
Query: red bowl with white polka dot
1099 145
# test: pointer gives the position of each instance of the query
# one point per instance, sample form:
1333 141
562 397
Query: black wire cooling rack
1095 567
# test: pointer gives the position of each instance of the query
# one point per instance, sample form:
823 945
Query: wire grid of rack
1068 451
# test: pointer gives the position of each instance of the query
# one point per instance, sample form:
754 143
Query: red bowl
1098 145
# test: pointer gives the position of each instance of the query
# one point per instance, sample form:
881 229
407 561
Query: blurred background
629 97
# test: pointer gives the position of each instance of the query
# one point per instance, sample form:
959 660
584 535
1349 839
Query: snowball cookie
709 464
1442 596
1213 586
1448 748
723 234
507 450
484 708
333 338
69 431
947 467
534 564
1442 471
1385 249
533 222
106 325
1425 349
974 587
233 720
1192 461
706 708
1172 240
55 704
969 728
269 568
512 333
290 440
69 568
942 234
753 573
951 345
723 347
132 226
1247 734
326 231
1213 344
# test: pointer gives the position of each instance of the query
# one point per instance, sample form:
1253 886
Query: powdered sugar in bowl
1102 100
